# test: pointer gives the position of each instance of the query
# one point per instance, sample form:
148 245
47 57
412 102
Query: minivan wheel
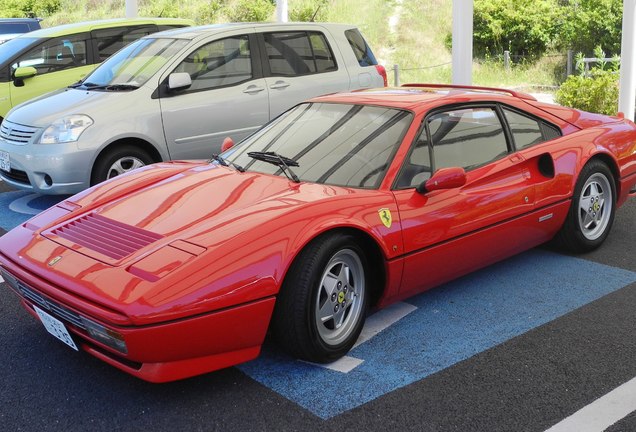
118 161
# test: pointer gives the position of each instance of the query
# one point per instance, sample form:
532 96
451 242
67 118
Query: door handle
253 90
279 85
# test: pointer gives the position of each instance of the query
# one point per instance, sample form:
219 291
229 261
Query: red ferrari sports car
344 203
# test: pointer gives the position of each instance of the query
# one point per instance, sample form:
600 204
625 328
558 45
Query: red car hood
194 238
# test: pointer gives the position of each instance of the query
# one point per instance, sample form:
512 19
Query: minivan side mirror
179 81
228 143
25 72
444 178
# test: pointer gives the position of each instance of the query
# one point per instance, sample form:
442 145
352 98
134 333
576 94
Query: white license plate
5 161
55 327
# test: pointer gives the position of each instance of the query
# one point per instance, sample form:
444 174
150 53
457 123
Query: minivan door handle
279 85
253 89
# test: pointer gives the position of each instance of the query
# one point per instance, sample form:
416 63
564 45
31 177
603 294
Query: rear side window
109 41
527 131
298 53
360 48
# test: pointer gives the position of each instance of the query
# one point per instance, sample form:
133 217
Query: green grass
418 43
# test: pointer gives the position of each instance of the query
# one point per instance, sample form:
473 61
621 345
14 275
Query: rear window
8 28
360 48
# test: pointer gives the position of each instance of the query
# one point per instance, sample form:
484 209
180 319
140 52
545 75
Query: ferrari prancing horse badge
385 217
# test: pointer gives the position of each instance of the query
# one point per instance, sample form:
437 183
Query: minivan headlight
66 129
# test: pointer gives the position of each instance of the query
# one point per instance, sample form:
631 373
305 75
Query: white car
177 95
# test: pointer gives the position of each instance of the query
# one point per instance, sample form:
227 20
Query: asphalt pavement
518 346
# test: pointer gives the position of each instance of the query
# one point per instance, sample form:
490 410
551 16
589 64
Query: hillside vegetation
410 33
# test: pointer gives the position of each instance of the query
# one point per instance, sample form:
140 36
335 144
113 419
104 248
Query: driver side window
54 55
220 63
466 138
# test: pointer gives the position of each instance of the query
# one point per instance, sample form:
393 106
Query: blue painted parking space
18 206
452 323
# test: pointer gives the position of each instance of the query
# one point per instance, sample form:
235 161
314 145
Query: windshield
12 47
135 64
337 144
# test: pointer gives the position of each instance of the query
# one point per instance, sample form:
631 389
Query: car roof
194 32
412 96
5 20
68 29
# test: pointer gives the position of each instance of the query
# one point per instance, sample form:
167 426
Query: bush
28 8
309 10
597 92
252 11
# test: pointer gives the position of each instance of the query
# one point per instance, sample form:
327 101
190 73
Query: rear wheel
323 302
118 161
592 210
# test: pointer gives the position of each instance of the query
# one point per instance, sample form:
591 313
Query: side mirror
228 143
25 72
179 81
444 178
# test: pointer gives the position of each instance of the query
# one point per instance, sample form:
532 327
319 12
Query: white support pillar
281 11
462 68
131 9
627 87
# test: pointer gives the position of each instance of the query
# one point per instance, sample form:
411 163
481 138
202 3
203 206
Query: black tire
118 160
592 210
301 323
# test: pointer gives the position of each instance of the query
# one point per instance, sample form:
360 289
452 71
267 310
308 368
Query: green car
48 59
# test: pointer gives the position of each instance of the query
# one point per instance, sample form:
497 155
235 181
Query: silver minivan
177 95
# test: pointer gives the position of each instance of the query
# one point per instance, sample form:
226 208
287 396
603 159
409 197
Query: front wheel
322 305
118 161
592 210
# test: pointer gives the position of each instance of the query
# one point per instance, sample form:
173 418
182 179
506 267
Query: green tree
585 24
523 27
28 8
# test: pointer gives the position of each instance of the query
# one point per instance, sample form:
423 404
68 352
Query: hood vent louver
114 239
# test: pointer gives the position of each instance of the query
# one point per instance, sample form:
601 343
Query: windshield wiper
226 162
275 159
93 86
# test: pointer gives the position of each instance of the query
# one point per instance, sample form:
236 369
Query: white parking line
384 319
374 325
1 279
603 412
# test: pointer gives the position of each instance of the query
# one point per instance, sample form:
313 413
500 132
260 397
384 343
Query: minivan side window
111 40
220 63
54 55
298 53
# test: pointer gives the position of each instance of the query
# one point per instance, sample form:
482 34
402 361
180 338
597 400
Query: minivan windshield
134 64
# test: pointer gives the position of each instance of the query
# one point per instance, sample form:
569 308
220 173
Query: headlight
66 129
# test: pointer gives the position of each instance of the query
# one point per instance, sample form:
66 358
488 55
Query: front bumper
160 352
48 168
